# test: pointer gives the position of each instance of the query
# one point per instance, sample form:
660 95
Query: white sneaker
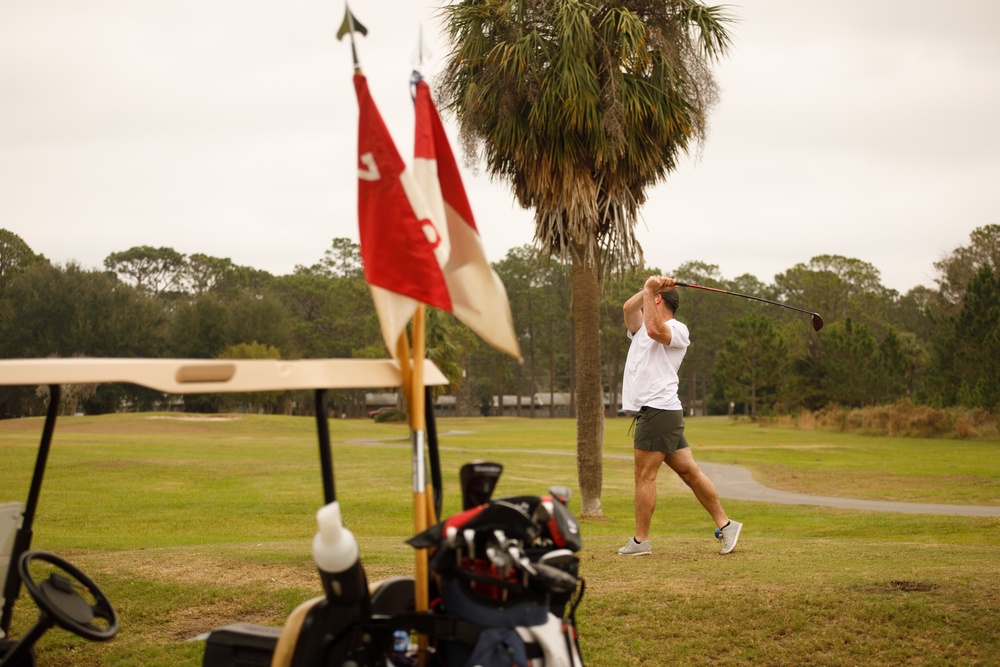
634 548
729 536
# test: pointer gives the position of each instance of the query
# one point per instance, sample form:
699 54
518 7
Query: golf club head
478 479
817 322
553 580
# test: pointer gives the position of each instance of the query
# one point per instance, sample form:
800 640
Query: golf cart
501 577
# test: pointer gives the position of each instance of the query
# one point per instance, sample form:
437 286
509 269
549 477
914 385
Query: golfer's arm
655 327
633 311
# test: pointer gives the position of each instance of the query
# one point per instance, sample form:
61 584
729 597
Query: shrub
900 419
928 422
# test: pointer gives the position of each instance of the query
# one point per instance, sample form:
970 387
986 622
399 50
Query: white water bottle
335 551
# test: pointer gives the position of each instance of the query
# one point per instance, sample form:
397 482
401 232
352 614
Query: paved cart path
736 482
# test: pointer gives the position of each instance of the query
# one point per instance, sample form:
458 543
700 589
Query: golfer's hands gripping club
657 284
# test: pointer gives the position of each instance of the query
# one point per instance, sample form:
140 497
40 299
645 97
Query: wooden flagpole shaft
418 426
420 407
417 419
403 358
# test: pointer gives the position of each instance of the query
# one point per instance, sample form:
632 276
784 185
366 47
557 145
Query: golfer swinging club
659 343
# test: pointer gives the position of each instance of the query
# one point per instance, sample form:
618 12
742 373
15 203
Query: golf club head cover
477 480
562 525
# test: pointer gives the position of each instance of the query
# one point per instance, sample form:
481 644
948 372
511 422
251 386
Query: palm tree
581 106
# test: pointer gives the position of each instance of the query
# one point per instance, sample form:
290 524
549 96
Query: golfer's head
671 299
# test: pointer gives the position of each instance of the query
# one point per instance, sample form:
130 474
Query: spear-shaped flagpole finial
423 53
420 46
350 26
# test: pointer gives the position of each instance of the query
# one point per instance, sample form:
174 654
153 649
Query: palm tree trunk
692 401
589 394
614 373
532 370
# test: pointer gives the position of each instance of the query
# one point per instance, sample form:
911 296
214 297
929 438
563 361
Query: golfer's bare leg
682 462
647 464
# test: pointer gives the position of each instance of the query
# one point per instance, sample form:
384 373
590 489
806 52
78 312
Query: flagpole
418 426
403 359
412 382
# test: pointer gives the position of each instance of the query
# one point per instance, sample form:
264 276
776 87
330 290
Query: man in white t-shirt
649 389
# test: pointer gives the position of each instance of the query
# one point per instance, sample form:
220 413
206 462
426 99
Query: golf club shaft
754 298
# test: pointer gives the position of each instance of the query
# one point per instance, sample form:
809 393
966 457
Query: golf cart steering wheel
60 598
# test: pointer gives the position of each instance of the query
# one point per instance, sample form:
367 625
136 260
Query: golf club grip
710 289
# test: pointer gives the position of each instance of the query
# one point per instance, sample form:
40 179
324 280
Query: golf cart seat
390 597
246 644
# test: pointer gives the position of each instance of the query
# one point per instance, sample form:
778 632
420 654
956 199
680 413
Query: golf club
817 320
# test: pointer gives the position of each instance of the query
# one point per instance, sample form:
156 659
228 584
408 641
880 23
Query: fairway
191 522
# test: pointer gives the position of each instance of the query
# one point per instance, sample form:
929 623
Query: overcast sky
862 128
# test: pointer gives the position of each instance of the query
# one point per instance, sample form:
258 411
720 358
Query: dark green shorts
659 430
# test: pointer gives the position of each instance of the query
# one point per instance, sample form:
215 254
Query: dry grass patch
206 566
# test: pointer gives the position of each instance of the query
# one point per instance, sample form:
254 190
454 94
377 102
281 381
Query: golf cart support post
193 376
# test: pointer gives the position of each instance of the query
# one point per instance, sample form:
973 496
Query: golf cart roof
203 376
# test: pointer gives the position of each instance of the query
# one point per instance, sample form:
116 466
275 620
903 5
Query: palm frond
582 105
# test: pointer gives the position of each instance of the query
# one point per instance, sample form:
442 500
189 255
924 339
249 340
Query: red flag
401 247
478 296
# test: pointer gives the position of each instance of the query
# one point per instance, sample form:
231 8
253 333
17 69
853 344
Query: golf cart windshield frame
199 376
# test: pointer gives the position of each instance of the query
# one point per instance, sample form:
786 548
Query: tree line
935 346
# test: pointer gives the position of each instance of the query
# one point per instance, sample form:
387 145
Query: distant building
508 405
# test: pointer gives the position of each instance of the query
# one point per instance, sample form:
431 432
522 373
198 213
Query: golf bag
507 570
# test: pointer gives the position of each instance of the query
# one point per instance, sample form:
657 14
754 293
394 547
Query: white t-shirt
651 369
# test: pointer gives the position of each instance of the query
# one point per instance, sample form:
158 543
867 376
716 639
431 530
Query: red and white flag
478 297
419 242
401 248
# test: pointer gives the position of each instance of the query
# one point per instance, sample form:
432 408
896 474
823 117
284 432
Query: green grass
188 525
